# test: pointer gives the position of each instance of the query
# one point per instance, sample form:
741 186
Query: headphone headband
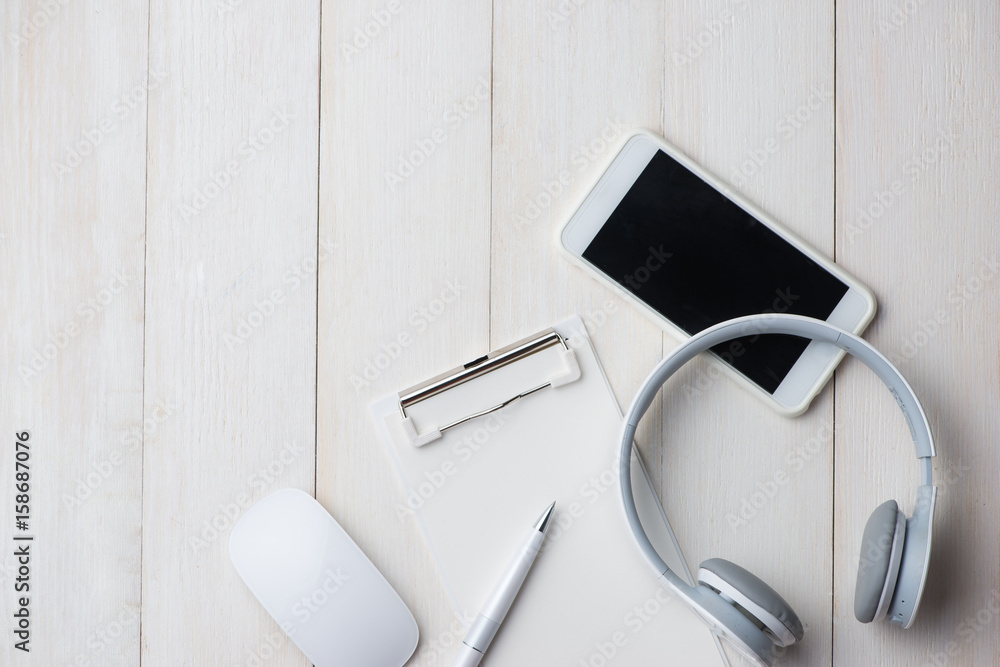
754 325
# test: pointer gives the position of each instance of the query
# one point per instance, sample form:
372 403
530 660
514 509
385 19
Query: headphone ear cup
878 567
754 598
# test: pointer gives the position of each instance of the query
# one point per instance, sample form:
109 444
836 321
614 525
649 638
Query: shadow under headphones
895 550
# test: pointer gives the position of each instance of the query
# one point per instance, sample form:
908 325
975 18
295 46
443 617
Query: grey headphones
895 550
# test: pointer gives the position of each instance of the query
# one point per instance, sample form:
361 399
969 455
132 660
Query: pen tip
543 521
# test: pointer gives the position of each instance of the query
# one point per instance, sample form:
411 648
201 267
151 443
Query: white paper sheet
591 600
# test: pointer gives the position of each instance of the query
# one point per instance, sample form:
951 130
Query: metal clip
479 367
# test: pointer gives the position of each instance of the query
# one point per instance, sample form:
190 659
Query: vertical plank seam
145 263
833 380
489 240
663 335
319 183
663 79
662 486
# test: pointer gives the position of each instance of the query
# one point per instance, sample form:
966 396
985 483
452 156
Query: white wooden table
225 227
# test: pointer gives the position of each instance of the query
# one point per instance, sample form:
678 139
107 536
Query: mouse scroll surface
318 584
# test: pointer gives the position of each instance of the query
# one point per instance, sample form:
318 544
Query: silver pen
485 627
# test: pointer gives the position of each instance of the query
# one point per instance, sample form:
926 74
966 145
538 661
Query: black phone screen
697 258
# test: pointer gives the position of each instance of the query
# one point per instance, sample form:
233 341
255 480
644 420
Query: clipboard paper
476 488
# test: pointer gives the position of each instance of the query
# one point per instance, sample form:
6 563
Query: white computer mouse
319 586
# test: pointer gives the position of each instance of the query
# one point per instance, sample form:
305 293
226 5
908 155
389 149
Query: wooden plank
455 140
748 93
405 194
916 220
231 268
608 49
562 107
72 155
571 80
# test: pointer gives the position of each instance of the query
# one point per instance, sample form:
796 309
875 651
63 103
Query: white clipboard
477 476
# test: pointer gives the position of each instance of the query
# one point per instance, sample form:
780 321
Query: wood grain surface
227 227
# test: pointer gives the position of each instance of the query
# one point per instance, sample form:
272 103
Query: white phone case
853 284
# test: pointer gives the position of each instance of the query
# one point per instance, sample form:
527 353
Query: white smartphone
690 252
